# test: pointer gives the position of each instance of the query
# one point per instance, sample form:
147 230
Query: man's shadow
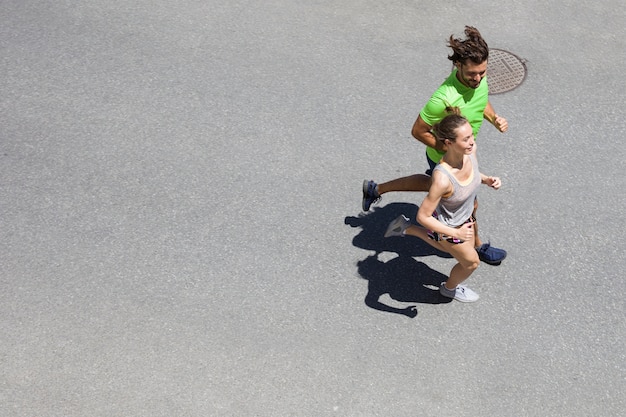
404 279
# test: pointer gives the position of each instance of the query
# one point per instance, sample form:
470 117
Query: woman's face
464 142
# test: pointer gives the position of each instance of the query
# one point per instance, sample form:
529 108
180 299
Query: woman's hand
493 182
465 232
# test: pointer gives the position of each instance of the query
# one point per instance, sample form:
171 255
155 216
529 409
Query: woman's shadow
402 278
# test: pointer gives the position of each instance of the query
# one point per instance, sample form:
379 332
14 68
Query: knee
471 264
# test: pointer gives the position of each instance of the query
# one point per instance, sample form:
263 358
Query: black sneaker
370 195
490 255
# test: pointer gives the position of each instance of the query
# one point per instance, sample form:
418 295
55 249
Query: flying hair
473 47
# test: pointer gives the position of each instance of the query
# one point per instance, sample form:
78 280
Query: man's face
470 74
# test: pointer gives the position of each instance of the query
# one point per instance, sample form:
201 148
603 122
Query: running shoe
461 293
490 255
398 226
370 195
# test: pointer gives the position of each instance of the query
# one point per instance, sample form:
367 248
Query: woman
446 212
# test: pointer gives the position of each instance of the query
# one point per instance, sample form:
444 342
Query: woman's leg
467 259
465 254
420 232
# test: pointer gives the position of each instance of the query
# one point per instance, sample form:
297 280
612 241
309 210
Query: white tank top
456 209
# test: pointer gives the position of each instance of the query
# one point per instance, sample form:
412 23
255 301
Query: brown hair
473 47
446 128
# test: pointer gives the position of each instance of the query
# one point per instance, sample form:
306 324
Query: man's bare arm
422 132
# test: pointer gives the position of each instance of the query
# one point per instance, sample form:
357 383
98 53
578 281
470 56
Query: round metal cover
505 71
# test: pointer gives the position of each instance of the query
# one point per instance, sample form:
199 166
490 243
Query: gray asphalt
181 232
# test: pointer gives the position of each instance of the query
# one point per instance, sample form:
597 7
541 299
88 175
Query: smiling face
471 74
464 142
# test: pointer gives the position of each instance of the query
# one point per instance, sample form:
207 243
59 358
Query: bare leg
420 232
477 241
458 274
489 254
467 259
416 182
464 253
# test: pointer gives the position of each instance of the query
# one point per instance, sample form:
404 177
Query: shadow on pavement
403 278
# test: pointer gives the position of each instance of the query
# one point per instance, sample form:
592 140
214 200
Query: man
465 89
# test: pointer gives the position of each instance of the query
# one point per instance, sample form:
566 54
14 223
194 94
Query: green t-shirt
471 101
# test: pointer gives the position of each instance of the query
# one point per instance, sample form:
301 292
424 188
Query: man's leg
477 241
487 253
372 191
417 182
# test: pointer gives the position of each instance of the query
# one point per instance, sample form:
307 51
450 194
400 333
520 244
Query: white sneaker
461 293
398 226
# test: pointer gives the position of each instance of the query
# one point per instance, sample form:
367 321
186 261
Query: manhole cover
505 71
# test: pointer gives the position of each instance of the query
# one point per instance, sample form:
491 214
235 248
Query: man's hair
473 48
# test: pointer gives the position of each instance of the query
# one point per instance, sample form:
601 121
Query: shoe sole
453 297
365 183
466 301
396 226
458 299
494 263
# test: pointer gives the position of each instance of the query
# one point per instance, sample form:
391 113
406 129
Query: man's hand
500 123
